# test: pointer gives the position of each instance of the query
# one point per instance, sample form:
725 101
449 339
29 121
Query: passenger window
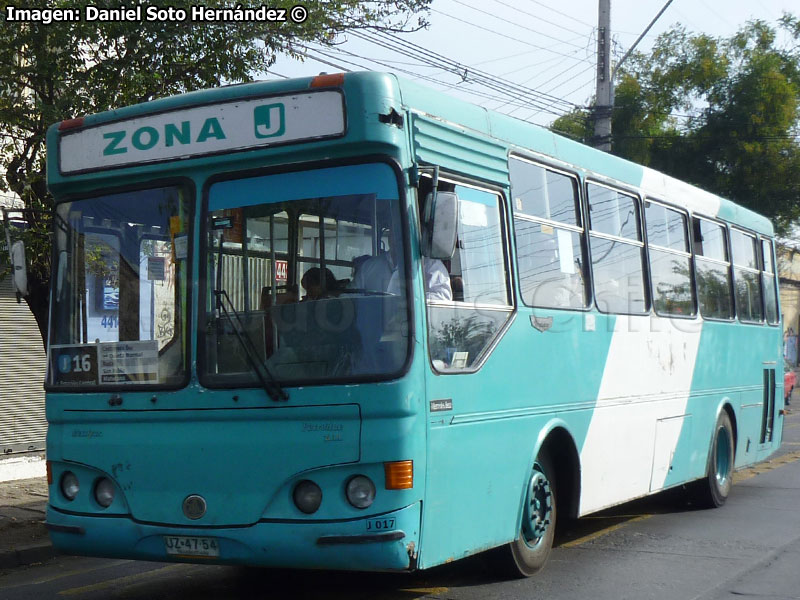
769 280
746 277
548 231
468 296
713 270
670 261
617 251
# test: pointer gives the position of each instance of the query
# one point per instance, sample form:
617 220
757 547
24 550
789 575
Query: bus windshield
119 290
305 275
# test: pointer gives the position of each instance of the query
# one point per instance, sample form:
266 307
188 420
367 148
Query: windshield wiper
267 379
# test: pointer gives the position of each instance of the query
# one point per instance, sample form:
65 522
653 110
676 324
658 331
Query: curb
27 555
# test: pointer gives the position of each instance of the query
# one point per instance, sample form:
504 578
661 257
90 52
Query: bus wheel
713 490
528 553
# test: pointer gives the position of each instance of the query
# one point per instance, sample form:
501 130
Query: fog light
104 492
360 491
69 485
307 496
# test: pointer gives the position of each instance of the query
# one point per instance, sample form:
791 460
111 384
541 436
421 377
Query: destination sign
185 133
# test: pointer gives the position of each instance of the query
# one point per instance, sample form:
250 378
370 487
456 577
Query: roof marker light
70 124
328 80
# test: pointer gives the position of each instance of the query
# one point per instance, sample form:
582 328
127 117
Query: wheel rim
723 456
538 508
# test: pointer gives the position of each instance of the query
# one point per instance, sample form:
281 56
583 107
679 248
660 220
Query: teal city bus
346 322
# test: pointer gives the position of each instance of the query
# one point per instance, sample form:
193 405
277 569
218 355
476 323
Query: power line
494 16
543 20
570 17
503 35
465 72
458 87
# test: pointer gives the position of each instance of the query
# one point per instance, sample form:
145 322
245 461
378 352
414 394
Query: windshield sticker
105 363
74 364
181 245
129 362
156 268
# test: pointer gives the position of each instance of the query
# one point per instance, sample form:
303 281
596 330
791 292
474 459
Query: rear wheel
713 490
526 555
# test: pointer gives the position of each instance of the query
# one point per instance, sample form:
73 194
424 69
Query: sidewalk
23 537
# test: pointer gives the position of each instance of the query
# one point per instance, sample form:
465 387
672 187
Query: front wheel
526 555
713 490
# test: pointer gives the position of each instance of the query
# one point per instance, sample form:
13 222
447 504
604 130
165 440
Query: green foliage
62 70
721 113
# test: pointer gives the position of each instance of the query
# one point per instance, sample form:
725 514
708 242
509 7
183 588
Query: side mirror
441 218
19 271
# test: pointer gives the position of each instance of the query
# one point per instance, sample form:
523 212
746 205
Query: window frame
187 185
510 308
758 271
763 239
581 229
202 282
695 256
688 254
641 243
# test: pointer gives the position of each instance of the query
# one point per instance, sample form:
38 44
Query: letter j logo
269 121
64 363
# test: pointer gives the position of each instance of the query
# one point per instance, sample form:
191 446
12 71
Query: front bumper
384 543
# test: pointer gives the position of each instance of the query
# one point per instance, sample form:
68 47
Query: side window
769 280
548 233
747 277
468 298
617 251
713 270
670 261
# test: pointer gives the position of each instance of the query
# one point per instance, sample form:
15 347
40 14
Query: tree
720 113
57 71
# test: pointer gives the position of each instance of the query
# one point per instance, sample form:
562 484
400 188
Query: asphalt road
655 548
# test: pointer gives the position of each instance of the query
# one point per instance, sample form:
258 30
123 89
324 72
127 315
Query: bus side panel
641 410
481 451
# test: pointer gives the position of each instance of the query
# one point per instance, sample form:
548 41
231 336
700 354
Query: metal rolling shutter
22 367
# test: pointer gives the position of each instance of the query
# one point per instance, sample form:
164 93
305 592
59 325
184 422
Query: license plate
187 545
380 525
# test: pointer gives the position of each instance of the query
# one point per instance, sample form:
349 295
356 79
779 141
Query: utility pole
604 101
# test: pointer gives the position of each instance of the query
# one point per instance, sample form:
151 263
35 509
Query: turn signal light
328 80
399 474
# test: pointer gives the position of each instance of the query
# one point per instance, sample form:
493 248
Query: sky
533 59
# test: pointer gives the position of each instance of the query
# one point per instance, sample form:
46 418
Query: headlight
69 485
360 491
307 496
104 492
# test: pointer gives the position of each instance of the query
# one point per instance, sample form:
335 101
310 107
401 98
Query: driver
313 284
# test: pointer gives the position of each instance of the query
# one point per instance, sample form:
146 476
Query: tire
527 554
712 491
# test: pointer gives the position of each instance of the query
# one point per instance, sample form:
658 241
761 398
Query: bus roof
515 135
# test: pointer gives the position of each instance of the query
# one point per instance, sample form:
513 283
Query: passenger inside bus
317 288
